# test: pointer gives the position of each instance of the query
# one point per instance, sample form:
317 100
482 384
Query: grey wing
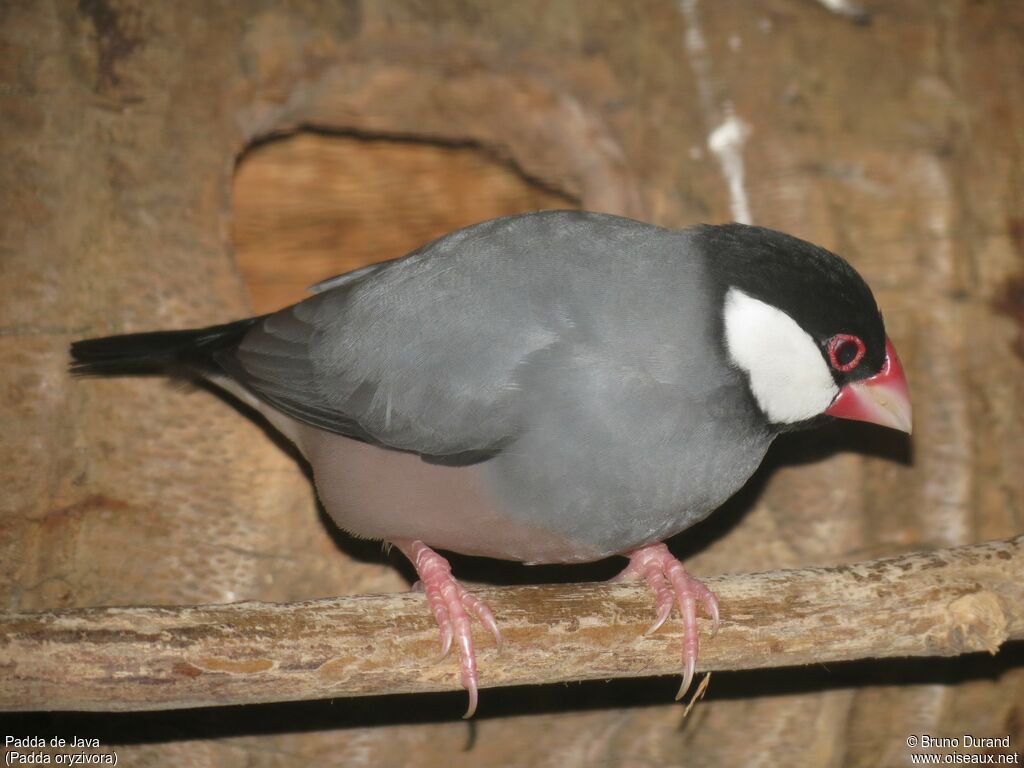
273 363
411 356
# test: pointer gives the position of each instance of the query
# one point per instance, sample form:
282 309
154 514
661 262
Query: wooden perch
939 603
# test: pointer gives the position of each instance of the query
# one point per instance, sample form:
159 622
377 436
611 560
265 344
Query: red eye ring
838 349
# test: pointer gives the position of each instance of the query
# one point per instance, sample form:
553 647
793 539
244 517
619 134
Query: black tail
190 350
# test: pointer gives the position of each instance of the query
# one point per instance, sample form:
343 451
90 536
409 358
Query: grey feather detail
344 279
427 354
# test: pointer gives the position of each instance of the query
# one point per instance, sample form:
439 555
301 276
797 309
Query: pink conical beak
883 399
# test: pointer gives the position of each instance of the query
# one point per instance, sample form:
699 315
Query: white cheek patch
788 375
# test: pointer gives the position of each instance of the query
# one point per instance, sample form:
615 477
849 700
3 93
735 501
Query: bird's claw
663 613
452 606
672 585
689 667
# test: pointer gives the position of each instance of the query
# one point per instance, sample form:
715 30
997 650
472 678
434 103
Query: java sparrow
551 387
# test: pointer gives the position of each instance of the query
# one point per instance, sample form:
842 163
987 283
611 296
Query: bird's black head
798 319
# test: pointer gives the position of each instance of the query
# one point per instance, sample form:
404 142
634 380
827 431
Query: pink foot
450 602
670 583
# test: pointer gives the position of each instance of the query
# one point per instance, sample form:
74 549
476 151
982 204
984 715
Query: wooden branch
940 603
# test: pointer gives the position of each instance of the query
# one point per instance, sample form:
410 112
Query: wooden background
899 143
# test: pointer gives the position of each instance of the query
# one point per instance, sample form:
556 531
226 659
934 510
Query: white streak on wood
726 141
846 8
728 132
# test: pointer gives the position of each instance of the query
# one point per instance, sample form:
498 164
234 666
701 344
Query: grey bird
551 387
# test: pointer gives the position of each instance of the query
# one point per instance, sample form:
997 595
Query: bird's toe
452 606
672 585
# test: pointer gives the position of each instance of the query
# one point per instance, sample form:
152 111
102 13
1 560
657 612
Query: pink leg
450 602
670 583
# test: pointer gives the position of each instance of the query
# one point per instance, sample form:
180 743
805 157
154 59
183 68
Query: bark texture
943 603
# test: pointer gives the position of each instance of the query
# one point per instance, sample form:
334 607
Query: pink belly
379 494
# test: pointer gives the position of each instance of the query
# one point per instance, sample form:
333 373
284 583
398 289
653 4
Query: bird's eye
845 352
